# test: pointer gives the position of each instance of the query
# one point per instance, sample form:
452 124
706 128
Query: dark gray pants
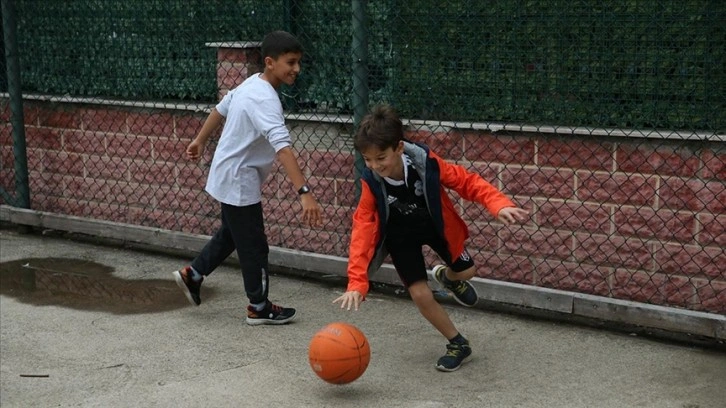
242 229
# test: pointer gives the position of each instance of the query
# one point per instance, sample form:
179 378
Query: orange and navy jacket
367 251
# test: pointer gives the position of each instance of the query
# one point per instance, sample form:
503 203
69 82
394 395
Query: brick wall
637 219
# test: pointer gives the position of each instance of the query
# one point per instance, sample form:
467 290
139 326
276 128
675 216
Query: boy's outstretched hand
511 215
311 211
350 299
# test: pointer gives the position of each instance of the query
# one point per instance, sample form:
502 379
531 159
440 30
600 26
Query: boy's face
386 163
283 69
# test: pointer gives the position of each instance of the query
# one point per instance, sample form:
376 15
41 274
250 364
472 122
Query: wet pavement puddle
87 285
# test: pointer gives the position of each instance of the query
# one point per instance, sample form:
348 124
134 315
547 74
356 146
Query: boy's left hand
311 210
511 215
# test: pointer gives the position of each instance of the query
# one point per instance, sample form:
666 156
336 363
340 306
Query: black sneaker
463 291
190 288
271 314
456 355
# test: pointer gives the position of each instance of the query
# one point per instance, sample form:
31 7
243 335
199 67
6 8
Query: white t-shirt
253 132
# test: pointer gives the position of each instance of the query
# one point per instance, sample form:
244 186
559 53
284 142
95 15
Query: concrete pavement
84 325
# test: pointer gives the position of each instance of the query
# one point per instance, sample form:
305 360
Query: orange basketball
339 353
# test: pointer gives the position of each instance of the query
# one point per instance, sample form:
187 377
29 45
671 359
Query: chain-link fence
606 121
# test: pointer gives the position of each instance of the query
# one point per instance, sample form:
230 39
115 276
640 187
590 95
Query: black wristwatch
304 189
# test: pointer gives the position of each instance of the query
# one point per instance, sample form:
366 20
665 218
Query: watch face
303 190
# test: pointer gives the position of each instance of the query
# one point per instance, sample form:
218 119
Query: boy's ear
268 62
399 148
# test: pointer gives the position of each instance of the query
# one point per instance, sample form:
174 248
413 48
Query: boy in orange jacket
403 206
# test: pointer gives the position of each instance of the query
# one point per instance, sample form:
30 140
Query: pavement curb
673 323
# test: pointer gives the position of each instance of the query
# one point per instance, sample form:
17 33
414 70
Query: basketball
339 353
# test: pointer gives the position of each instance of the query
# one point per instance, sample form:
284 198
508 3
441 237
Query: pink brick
417 135
59 116
538 182
35 158
638 286
574 216
43 138
483 237
83 142
282 211
581 278
129 194
540 242
230 75
184 201
488 171
113 168
6 135
277 186
678 291
714 164
448 145
574 153
7 183
492 148
654 288
347 196
337 219
155 173
691 260
4 110
191 175
648 223
45 183
613 250
71 206
509 268
618 188
104 120
328 164
656 159
169 150
91 189
241 55
153 124
128 146
63 163
694 195
30 114
324 190
711 295
187 126
109 212
713 230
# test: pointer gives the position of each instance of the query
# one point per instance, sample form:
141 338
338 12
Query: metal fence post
22 188
360 75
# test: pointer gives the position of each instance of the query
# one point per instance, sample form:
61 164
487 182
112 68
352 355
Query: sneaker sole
448 370
183 286
465 304
452 293
259 322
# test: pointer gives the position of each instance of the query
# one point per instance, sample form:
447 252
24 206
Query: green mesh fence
655 64
604 119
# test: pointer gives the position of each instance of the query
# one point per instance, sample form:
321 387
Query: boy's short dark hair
381 128
277 43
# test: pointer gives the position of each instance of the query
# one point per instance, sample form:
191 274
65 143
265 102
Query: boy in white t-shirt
254 134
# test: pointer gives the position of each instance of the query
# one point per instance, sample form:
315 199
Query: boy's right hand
349 299
195 150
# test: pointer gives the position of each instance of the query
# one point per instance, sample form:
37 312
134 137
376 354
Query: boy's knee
420 292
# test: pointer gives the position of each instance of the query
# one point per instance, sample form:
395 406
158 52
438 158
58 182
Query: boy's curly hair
381 128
